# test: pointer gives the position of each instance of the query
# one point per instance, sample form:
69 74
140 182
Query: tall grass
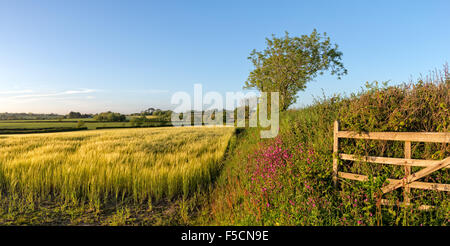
97 166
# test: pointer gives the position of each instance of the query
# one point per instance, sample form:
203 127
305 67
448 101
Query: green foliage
74 115
408 107
77 115
110 116
28 116
40 130
144 121
162 114
288 63
307 195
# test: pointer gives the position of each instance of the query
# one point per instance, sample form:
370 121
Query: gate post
407 190
335 152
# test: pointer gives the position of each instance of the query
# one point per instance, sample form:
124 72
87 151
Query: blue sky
125 56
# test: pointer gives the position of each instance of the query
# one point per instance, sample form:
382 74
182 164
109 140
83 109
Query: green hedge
40 130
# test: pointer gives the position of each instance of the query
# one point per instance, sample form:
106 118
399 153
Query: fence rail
430 137
410 180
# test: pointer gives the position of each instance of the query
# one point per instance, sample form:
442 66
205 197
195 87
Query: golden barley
142 164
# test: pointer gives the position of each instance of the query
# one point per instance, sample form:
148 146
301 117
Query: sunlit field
96 166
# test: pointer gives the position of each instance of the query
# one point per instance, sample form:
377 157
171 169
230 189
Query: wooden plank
391 161
352 176
407 191
390 203
414 185
415 176
335 151
430 186
431 137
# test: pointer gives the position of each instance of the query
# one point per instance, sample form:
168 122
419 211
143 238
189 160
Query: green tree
288 63
74 115
110 116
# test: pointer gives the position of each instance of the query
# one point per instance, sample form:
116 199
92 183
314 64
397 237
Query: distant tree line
228 116
77 115
110 116
28 116
163 115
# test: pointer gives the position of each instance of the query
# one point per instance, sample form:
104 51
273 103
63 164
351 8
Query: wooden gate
410 179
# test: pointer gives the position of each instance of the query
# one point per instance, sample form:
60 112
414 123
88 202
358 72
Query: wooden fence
410 179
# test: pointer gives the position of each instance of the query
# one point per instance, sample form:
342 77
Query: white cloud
79 91
150 91
69 92
15 92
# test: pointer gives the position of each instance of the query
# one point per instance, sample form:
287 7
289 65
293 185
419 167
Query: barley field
99 165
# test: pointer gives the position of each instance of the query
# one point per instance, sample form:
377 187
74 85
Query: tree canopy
110 116
288 63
